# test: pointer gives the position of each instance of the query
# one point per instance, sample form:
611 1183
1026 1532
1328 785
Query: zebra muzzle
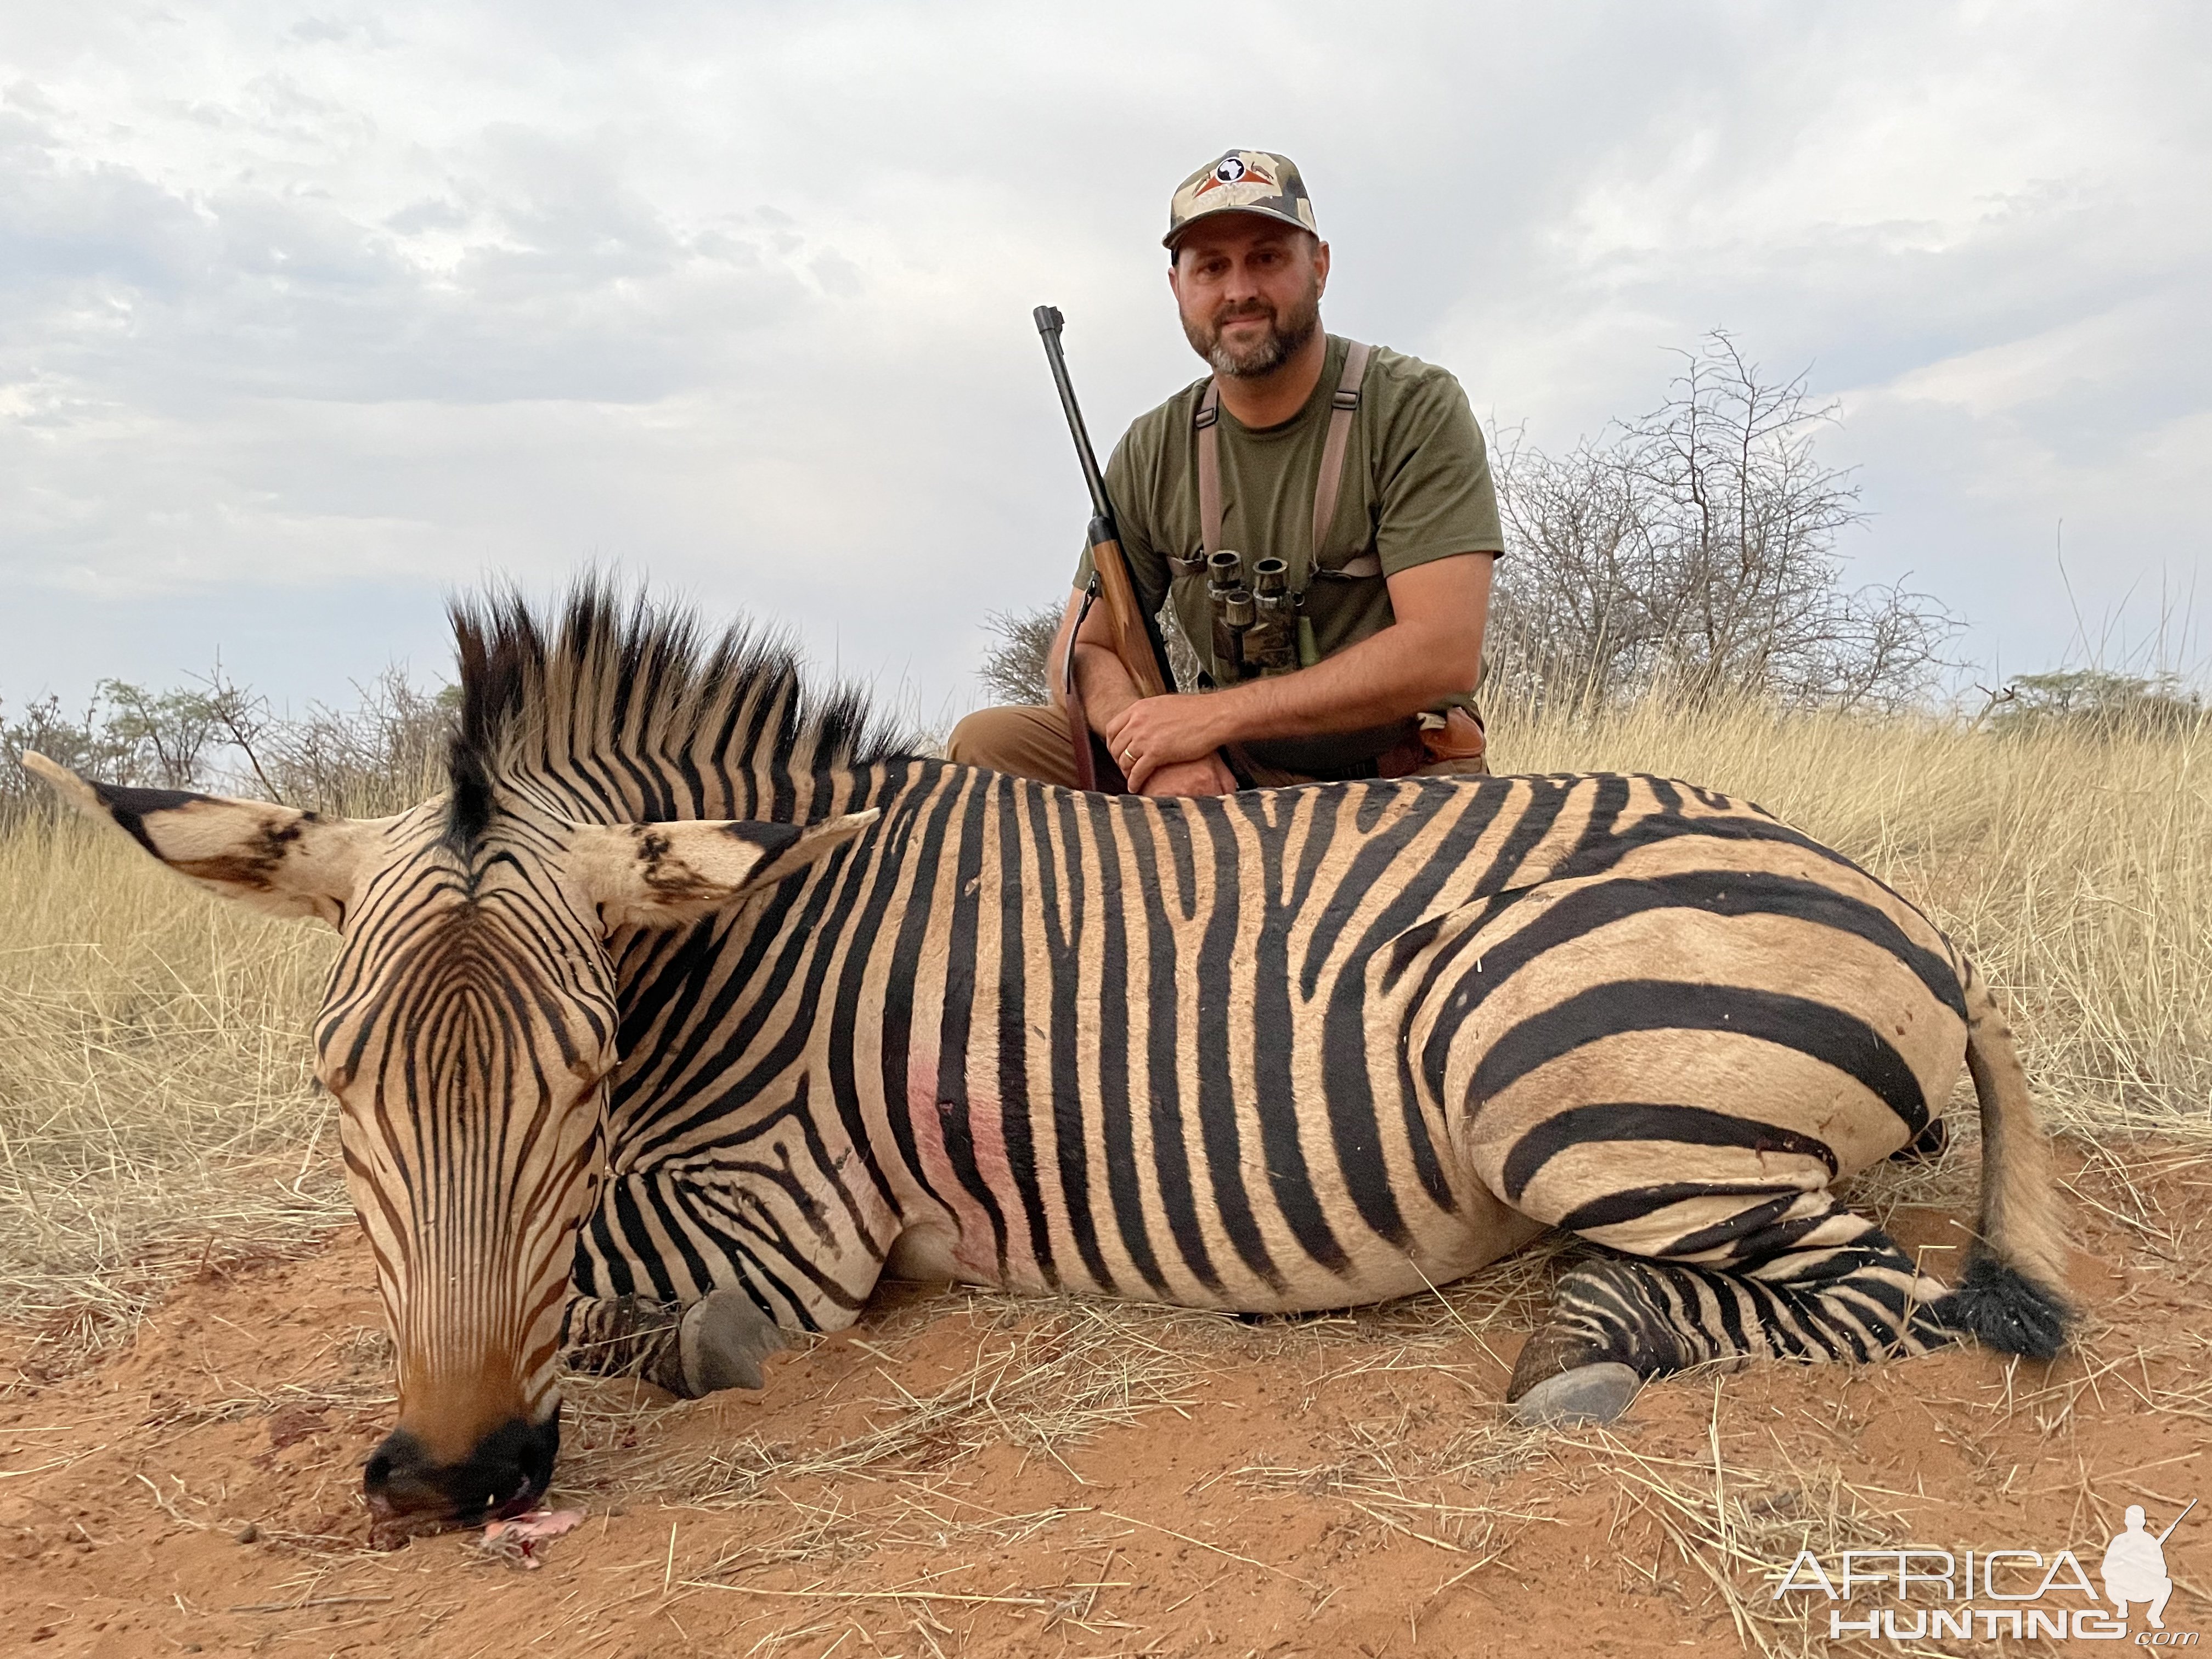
505 1473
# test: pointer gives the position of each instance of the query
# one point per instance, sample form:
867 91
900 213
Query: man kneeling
1345 639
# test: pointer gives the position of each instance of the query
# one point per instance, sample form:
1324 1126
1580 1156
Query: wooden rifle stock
1132 636
1135 641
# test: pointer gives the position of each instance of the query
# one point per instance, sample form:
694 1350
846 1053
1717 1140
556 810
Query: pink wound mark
986 1137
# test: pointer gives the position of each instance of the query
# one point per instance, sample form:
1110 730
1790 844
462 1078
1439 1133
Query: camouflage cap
1242 181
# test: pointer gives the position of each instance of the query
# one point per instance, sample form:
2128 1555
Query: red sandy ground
1254 1516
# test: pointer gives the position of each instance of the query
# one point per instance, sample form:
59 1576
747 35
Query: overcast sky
310 314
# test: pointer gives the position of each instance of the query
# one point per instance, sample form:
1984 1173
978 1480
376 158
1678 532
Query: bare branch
1694 548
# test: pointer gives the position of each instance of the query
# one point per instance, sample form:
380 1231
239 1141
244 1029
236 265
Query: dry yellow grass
155 1100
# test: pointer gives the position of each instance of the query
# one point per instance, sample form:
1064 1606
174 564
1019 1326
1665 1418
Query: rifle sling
1078 720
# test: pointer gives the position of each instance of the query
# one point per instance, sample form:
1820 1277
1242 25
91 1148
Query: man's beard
1285 337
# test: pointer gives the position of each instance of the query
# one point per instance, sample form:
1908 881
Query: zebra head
467 1031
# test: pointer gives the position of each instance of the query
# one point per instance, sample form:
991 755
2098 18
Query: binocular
1256 629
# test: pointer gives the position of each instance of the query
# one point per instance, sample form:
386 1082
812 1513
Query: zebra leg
718 1342
624 1336
722 1341
1793 1276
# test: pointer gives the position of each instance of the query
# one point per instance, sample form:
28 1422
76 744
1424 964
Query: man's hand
1178 731
1199 777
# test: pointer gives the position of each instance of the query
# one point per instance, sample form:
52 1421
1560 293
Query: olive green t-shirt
1416 487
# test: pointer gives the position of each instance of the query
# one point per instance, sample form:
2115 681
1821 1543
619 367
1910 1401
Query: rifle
1136 642
2178 1520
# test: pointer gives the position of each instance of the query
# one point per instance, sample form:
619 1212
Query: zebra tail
2008 1297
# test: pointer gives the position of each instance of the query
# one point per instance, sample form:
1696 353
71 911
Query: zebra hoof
1588 1394
723 1340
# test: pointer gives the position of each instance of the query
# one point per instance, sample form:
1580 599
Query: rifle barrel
1137 640
1049 322
2178 1520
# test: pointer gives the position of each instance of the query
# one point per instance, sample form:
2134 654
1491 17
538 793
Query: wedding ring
1129 753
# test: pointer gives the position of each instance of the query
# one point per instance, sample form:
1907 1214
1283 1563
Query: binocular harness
1259 630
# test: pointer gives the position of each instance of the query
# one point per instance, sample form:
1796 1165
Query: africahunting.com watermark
1917 1594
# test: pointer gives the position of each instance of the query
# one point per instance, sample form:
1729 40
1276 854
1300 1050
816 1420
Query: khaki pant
1033 742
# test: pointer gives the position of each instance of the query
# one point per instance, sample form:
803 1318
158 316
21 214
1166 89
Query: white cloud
302 302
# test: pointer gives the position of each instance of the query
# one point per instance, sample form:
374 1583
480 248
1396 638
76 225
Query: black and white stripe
1282 1050
705 967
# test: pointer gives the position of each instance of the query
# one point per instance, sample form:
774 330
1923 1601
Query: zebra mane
608 696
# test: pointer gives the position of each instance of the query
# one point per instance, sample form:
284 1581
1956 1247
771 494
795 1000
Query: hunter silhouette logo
2135 1566
2026 1595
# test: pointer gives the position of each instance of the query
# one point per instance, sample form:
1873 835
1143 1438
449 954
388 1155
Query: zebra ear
274 858
659 875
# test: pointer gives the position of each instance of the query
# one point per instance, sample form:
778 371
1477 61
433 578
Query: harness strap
1209 472
1336 453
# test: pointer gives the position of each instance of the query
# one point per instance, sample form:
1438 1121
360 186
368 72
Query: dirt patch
966 1474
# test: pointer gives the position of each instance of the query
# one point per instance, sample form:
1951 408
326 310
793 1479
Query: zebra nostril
393 1479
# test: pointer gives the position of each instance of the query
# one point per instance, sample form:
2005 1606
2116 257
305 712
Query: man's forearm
1385 677
1105 684
1101 678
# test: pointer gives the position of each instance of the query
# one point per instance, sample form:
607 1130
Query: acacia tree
380 755
2098 701
1694 550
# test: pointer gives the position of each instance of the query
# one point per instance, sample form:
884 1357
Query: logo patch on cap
1234 170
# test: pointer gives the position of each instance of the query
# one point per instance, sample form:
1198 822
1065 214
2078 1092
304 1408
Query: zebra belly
1247 1198
935 1254
1224 1193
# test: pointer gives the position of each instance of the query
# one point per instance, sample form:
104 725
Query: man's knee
1028 742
